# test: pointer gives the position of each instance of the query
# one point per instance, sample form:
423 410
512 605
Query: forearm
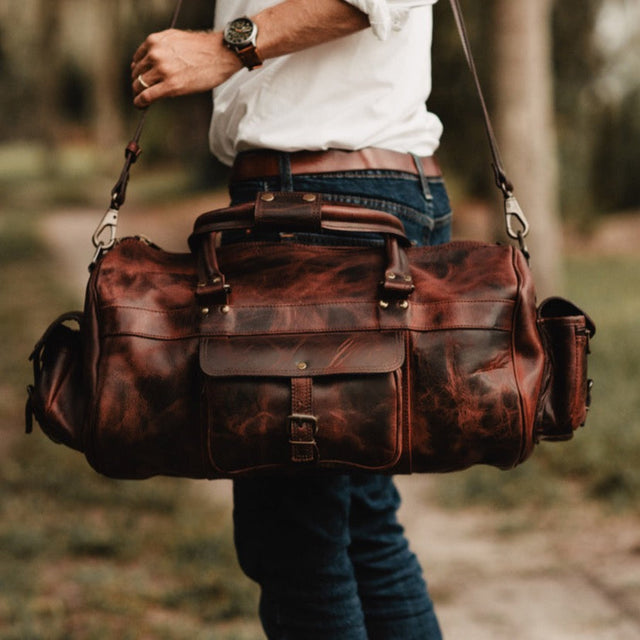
294 25
175 62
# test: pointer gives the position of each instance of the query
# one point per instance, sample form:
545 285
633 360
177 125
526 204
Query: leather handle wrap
290 212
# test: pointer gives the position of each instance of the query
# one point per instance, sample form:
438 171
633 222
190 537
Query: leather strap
249 57
265 163
516 222
504 184
302 423
109 221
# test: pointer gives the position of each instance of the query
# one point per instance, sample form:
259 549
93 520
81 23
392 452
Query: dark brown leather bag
259 357
263 357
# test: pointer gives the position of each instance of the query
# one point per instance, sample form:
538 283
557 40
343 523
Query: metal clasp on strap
516 221
109 223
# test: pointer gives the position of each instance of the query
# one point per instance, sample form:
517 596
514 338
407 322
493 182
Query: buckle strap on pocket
303 425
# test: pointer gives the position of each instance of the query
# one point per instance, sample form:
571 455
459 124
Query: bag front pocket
291 401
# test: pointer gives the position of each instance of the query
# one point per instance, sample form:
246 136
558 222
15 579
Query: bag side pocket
566 332
54 399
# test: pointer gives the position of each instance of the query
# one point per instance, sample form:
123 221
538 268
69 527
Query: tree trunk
106 74
47 79
525 127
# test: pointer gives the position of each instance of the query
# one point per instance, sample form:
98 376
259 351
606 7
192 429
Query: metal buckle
303 451
302 418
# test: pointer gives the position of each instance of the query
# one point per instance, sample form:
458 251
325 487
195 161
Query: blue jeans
327 551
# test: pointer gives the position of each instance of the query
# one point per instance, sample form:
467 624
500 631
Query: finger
140 52
144 81
143 99
140 68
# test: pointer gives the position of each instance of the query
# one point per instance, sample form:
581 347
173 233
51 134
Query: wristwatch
240 36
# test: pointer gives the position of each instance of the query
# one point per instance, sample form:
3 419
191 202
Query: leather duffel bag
263 357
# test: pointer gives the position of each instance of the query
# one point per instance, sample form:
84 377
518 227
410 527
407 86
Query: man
326 96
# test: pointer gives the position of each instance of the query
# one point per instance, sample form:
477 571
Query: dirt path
567 574
530 576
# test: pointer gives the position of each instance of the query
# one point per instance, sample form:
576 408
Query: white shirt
368 89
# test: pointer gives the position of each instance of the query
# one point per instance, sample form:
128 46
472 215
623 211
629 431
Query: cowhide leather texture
301 366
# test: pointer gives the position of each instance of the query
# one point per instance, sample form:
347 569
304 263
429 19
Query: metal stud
204 311
383 304
403 304
309 197
391 275
267 197
302 365
225 308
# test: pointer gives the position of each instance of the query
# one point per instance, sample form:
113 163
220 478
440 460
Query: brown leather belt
250 165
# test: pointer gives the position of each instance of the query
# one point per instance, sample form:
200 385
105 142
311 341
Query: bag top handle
291 211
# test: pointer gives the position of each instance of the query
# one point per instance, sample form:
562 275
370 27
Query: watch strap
249 56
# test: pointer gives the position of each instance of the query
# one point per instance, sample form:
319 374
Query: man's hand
175 63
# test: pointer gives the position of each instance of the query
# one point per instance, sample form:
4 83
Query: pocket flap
298 355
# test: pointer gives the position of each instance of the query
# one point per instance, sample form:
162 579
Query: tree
525 126
106 73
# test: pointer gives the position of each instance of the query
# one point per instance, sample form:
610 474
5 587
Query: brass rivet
391 276
403 304
408 278
204 311
225 308
267 197
383 304
216 280
302 365
309 197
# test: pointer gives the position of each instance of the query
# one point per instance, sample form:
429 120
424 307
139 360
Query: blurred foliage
617 146
579 111
598 166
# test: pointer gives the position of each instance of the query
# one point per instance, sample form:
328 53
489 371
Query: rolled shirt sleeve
387 15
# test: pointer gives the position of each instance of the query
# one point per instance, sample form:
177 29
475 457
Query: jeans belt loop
423 179
286 175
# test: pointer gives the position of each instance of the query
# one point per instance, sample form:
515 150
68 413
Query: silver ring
142 82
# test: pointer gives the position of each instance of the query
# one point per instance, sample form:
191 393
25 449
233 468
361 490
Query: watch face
239 31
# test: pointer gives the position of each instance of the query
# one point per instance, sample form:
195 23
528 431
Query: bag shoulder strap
109 222
516 222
